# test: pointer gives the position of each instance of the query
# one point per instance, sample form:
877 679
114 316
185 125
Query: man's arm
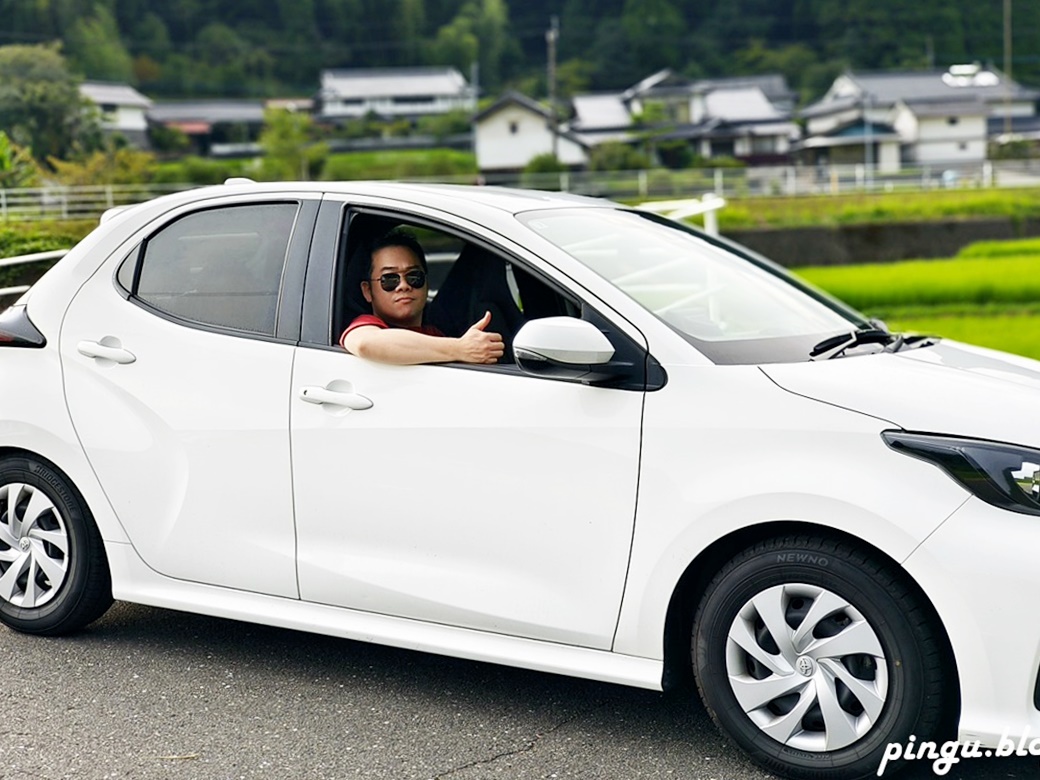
406 347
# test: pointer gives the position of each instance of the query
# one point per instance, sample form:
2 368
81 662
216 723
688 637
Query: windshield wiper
841 342
903 341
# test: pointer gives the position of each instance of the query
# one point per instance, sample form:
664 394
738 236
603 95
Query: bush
198 170
544 163
353 166
616 156
23 238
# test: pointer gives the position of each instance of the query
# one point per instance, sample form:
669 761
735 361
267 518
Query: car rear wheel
54 576
813 657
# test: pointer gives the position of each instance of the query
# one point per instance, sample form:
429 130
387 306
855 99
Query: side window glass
219 267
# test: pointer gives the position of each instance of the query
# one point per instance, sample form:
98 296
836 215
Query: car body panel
725 449
34 419
947 388
979 569
540 478
136 582
190 440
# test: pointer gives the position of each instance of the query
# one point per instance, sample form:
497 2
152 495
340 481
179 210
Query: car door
478 497
177 356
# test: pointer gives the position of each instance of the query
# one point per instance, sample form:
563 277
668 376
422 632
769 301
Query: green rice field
988 295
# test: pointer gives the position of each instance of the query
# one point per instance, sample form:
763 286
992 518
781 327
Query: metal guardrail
9 294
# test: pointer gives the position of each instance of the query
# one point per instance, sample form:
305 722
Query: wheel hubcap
806 667
34 546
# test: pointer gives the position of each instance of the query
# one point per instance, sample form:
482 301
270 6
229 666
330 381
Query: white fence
76 202
659 183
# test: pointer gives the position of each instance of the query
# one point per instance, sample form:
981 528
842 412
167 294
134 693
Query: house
215 127
937 117
747 118
513 130
123 110
393 93
737 121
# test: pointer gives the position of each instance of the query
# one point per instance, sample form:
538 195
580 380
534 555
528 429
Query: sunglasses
390 282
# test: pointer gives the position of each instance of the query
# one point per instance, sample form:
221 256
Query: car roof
506 199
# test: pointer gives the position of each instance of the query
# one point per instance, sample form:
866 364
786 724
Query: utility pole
551 35
1007 68
868 142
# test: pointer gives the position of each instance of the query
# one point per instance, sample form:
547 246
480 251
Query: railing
87 202
9 295
658 183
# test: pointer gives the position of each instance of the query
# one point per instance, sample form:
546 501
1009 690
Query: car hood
948 388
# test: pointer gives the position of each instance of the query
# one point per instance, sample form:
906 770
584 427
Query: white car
687 466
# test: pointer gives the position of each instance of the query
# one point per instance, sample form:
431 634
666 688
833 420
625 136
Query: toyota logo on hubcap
806 666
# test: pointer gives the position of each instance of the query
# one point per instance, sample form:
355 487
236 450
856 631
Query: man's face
402 306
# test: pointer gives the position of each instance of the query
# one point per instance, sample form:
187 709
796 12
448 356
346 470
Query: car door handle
115 353
322 395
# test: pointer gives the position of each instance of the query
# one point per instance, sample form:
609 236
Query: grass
809 210
1012 279
399 165
988 295
1012 331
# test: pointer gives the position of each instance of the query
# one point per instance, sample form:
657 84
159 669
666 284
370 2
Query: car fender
29 423
805 461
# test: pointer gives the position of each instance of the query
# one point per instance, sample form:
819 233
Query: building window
963 146
952 120
765 144
514 128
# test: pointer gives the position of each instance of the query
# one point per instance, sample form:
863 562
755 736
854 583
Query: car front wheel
813 656
54 576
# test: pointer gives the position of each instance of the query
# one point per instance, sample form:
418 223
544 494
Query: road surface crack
531 745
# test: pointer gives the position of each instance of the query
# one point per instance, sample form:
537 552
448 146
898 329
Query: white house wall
906 124
126 118
888 157
939 141
1014 108
511 137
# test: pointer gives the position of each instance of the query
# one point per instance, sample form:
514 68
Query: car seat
476 284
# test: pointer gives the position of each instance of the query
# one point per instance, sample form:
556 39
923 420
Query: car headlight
1004 475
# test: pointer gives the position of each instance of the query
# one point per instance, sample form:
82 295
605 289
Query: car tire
813 656
54 575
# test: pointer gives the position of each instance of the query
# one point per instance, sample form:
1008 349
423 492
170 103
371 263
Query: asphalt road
148 693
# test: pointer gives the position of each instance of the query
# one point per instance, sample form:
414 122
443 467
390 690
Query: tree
40 104
456 44
113 165
17 167
289 152
95 46
479 33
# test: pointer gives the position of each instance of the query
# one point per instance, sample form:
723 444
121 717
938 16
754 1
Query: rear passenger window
219 267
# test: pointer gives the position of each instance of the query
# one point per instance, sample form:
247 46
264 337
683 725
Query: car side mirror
567 348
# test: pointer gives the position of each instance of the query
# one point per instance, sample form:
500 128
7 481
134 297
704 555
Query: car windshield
735 308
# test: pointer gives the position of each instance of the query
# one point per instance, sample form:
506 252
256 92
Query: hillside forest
263 48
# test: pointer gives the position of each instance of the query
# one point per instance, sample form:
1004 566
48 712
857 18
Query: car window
733 310
466 277
220 267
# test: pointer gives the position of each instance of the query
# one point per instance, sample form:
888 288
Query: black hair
397 236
